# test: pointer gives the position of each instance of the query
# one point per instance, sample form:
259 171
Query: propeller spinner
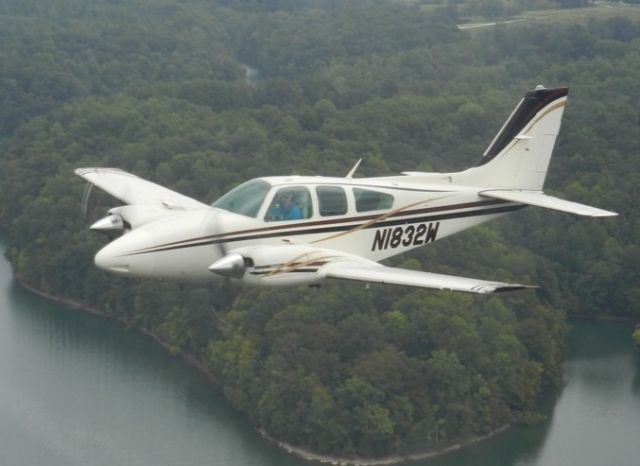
232 266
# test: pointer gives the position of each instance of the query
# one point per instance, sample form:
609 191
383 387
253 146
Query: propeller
85 200
112 222
231 265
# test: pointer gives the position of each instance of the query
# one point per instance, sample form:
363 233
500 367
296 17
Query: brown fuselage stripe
276 231
301 225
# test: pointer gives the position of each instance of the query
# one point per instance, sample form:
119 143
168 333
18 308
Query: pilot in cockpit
284 207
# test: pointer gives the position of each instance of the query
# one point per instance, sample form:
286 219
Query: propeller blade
85 199
215 227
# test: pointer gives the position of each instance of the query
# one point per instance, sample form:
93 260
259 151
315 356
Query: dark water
79 390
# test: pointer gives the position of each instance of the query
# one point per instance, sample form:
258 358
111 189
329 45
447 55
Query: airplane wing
131 189
540 199
372 272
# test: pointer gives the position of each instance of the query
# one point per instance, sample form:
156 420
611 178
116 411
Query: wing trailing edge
540 199
377 273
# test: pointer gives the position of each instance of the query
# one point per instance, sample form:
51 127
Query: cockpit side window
245 199
332 200
290 203
367 200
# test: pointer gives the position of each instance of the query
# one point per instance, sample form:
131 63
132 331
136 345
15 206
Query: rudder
519 155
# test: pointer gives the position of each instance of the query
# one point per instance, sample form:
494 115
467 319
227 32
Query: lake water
79 390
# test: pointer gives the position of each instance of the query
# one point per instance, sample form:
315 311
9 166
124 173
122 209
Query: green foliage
157 89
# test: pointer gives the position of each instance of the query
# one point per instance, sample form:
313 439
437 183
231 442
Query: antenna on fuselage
353 170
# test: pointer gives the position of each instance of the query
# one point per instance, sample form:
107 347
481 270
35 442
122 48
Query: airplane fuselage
375 218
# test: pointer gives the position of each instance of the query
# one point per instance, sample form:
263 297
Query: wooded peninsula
159 88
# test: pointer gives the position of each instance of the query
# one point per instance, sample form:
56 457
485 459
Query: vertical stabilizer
519 155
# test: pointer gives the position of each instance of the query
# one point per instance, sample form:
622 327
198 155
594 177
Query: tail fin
519 155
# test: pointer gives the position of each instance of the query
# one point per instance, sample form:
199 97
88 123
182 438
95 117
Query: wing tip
507 287
605 213
85 170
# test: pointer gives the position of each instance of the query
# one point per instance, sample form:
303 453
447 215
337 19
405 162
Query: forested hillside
157 87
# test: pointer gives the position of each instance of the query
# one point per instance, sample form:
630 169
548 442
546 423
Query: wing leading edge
373 272
132 190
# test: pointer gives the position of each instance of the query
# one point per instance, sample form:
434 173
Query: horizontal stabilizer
376 273
540 199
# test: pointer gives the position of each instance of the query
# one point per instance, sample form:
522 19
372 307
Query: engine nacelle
129 217
274 265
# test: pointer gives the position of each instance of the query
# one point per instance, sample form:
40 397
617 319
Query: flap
376 273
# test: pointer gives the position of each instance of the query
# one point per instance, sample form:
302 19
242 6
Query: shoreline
79 306
605 318
384 461
297 452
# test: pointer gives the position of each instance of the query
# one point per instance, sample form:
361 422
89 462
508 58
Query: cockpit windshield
245 199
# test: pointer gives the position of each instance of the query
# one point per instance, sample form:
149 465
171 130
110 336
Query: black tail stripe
530 105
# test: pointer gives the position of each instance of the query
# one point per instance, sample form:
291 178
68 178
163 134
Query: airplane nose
123 256
108 259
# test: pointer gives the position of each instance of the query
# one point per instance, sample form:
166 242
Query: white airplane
292 230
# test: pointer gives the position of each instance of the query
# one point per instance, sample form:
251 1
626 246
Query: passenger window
367 200
333 200
290 203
